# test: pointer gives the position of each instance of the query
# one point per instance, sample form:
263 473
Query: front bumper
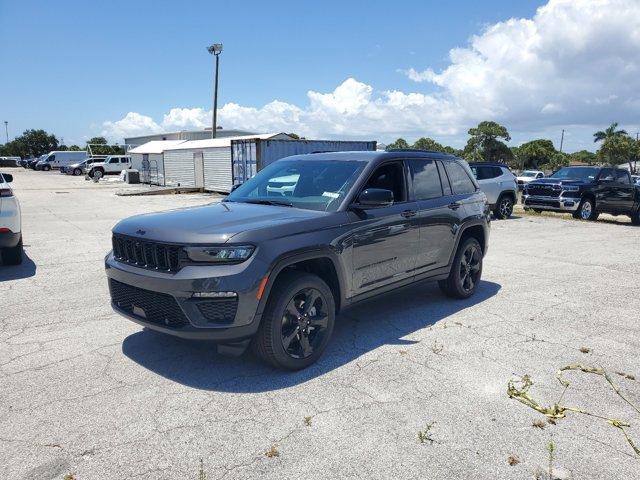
559 204
176 311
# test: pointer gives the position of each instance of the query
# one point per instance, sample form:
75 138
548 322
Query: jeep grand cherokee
272 267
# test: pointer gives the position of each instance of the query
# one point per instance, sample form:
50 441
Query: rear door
435 217
385 240
624 191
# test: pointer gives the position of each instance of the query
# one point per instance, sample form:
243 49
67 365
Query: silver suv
499 185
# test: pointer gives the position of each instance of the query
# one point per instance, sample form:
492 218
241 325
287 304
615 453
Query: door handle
409 213
454 205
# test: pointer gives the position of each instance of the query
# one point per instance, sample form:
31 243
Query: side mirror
8 177
374 198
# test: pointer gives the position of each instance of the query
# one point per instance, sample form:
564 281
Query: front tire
13 255
466 271
504 207
46 168
298 322
76 172
97 174
587 210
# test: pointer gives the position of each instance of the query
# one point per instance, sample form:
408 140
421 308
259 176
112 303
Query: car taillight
6 192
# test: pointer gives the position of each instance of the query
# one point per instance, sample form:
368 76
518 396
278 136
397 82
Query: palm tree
609 133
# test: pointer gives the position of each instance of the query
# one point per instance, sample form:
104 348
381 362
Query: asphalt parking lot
84 391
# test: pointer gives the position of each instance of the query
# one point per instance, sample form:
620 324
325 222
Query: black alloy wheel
304 323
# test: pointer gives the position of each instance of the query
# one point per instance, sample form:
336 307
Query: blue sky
70 66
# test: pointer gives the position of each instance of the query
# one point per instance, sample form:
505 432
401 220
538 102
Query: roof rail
416 150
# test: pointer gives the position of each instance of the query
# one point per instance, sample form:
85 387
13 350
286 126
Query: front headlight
230 254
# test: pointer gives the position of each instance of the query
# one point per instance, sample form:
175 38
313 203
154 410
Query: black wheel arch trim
288 259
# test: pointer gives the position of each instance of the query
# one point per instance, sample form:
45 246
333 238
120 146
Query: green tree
617 149
555 161
484 143
74 148
32 143
584 156
533 154
608 133
400 143
100 146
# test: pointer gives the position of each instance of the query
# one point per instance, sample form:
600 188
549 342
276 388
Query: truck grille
153 307
221 310
544 190
146 254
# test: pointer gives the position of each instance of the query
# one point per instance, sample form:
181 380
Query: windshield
576 173
528 173
309 184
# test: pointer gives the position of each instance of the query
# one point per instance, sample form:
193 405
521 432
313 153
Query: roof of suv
372 156
490 164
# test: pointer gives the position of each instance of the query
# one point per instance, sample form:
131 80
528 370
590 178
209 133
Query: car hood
558 181
217 223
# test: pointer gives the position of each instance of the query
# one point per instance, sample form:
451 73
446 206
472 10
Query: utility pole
562 140
6 130
216 50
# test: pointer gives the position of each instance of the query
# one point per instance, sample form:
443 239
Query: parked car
78 168
635 179
9 161
527 176
57 159
585 192
112 165
10 223
32 162
274 270
499 185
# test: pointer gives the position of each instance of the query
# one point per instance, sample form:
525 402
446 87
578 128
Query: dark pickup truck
585 192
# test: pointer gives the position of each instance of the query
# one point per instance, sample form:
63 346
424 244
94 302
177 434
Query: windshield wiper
264 201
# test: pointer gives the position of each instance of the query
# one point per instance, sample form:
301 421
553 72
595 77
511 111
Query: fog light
214 294
568 204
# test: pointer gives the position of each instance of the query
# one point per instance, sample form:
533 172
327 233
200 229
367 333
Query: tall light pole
216 50
562 140
6 130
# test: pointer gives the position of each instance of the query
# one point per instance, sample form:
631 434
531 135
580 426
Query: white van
58 159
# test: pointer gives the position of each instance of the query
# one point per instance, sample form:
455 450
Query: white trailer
205 164
148 159
57 159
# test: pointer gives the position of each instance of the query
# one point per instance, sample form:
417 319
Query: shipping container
250 156
148 159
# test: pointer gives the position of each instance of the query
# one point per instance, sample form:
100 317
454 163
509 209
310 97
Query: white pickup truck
112 165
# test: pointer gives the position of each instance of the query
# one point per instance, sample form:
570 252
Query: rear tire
77 171
466 270
46 168
98 173
13 255
504 207
297 323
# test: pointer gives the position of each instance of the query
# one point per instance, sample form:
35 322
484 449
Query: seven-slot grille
154 307
146 254
544 190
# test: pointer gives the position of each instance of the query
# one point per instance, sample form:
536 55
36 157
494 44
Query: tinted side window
389 177
426 180
446 188
484 172
622 177
459 179
607 174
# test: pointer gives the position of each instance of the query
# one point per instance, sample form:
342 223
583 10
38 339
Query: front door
198 168
385 240
606 191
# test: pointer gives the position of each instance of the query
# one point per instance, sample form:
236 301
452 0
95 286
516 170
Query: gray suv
271 268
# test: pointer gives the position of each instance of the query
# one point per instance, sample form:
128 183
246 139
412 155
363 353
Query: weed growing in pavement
272 452
551 448
513 460
584 349
425 435
202 475
437 348
626 375
537 423
519 390
69 476
307 421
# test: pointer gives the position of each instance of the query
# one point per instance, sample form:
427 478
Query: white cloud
576 62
